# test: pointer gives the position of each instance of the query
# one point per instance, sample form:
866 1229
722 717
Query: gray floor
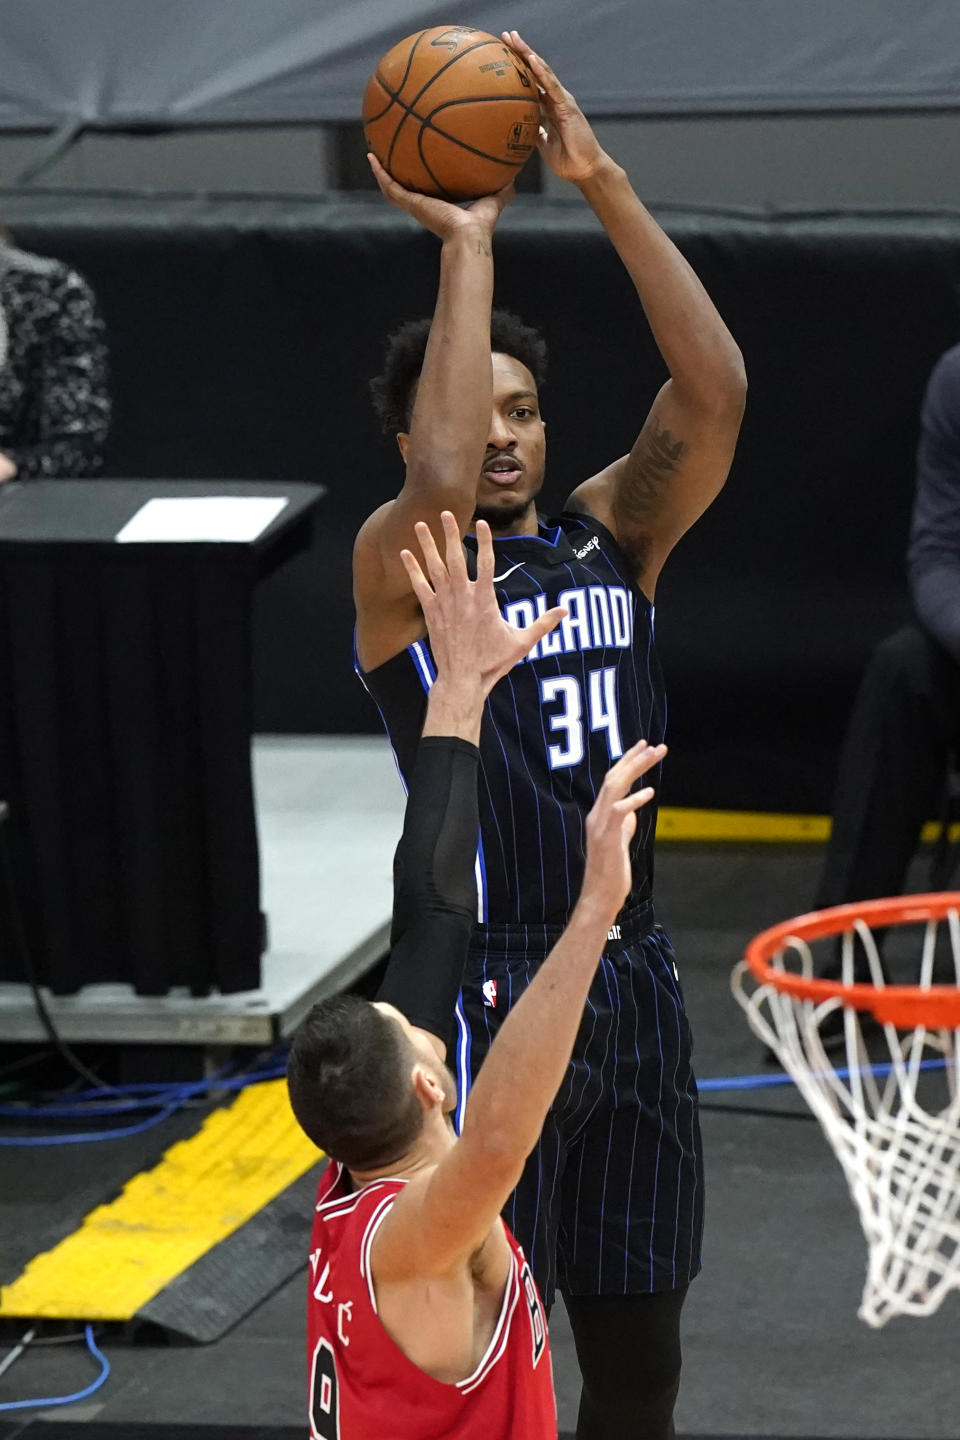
773 1345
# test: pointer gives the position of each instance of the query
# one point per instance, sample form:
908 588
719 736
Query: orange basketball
451 112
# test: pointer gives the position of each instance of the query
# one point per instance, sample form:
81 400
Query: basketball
451 112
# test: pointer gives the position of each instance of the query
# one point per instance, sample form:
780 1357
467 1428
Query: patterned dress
54 402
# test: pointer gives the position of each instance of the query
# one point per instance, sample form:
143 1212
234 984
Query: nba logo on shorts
490 993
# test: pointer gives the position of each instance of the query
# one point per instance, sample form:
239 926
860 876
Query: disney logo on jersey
599 617
592 544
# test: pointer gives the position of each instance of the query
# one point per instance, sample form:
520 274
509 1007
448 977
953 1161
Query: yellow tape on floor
709 825
721 825
202 1190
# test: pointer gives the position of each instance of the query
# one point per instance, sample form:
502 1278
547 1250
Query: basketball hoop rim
905 1006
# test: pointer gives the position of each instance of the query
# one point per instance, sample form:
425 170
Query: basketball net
891 1114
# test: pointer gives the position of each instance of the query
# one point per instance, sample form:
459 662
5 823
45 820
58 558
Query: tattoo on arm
649 471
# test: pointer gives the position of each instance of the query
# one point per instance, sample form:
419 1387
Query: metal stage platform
329 814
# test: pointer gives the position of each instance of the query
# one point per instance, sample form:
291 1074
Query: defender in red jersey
424 1318
380 1391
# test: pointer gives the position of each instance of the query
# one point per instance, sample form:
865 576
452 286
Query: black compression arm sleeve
434 887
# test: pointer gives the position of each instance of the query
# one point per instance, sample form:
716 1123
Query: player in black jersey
610 1204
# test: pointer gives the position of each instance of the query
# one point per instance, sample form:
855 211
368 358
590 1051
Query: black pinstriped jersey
554 724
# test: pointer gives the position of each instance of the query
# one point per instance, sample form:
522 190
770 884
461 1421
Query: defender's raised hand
468 635
611 825
567 141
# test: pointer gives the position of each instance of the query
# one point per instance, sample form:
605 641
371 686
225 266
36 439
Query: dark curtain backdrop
243 335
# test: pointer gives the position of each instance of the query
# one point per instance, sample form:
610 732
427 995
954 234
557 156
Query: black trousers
904 725
628 1348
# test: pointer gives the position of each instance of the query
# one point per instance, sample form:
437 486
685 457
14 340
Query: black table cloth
125 730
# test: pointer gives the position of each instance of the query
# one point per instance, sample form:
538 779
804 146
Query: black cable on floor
26 960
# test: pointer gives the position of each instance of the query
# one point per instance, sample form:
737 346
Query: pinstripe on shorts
611 1200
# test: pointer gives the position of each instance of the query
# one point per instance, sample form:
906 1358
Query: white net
888 1102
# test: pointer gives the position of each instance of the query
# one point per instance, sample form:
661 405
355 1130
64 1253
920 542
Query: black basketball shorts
611 1200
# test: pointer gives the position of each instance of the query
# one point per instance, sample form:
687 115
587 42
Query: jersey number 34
572 709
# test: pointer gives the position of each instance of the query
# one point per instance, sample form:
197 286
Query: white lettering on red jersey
363 1386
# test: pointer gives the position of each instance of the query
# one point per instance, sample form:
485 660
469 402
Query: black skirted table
125 733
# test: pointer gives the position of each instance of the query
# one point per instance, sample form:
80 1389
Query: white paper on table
202 517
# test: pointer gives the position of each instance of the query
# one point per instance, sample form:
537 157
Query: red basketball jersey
363 1387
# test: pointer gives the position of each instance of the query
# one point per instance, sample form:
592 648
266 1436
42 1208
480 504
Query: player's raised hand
611 825
441 217
567 141
469 637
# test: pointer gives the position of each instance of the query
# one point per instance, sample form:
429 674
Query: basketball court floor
773 1345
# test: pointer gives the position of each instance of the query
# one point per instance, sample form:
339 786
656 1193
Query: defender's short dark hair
348 1076
392 391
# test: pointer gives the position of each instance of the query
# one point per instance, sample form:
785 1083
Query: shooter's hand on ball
567 141
441 217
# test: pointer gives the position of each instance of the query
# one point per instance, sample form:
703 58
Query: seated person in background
54 404
906 719
424 1319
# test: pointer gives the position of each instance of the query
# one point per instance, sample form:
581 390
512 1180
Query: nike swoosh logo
498 578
